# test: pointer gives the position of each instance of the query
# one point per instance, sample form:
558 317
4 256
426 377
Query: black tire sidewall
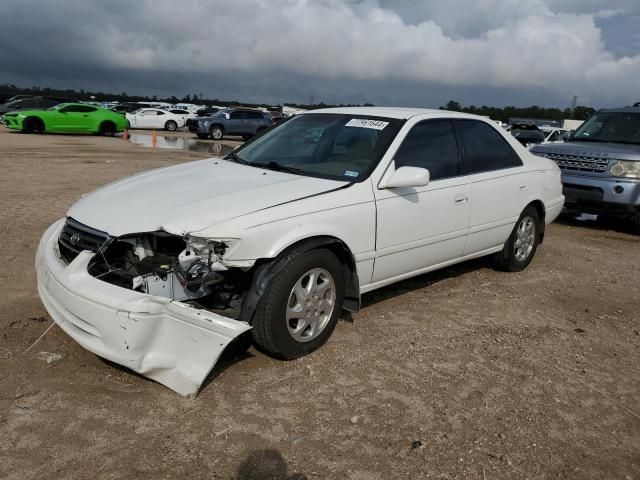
509 260
272 308
107 129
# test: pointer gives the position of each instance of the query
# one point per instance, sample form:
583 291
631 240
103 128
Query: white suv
161 271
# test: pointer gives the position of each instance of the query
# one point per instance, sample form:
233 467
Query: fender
269 268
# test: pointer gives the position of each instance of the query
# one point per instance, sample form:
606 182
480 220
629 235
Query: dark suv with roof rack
600 164
242 122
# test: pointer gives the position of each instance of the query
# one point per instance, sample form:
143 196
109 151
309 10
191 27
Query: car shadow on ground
572 218
267 464
426 280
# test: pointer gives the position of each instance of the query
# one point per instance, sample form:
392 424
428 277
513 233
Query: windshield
334 146
614 127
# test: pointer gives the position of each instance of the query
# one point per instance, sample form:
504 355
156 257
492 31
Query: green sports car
67 118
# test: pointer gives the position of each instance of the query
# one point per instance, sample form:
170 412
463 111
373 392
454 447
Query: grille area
579 163
76 237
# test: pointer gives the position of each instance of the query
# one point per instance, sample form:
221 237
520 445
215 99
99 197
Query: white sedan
161 271
155 118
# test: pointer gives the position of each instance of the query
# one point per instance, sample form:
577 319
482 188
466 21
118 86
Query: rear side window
483 147
431 145
237 115
254 115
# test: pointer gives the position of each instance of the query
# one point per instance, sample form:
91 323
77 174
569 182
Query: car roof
393 112
620 110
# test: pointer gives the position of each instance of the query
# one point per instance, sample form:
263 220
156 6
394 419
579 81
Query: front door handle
460 199
524 187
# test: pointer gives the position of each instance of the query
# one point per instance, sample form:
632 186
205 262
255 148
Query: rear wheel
33 125
107 129
523 242
216 132
171 126
300 308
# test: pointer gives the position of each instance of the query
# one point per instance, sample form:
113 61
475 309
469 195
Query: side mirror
567 137
227 116
407 177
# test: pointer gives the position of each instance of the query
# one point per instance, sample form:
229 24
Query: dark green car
67 118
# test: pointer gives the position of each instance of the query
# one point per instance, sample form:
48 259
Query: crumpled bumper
169 342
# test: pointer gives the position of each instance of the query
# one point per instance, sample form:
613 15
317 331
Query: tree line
504 114
496 113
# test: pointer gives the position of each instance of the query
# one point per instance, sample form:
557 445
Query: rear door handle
524 187
460 199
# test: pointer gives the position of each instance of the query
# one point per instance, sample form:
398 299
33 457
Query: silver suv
242 122
600 164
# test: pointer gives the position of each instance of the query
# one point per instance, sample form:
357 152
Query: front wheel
216 133
301 306
523 242
33 125
171 126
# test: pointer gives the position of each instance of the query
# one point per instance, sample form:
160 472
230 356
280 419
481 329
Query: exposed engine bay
183 269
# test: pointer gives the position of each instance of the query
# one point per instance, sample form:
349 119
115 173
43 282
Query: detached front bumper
169 342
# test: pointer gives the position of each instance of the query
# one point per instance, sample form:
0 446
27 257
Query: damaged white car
161 271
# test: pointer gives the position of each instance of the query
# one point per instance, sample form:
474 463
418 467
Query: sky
387 52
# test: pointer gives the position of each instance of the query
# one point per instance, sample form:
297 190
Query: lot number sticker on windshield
366 123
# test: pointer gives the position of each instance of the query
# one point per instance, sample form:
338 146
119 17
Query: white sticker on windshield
366 123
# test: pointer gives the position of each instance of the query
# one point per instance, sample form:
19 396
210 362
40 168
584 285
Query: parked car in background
184 114
554 134
32 103
67 118
207 111
129 107
161 271
600 164
155 118
526 133
236 121
18 97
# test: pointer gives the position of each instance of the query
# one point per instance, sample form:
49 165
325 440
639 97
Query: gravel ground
463 373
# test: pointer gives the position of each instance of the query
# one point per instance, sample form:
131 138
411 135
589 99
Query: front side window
237 115
431 145
334 146
613 127
483 147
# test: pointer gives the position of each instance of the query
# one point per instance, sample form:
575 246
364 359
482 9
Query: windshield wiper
233 156
278 167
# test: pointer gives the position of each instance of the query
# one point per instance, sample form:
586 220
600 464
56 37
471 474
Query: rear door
235 124
497 180
422 227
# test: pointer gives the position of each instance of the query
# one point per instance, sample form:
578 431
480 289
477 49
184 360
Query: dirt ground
464 373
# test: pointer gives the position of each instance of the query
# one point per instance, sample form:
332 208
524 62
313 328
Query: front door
422 227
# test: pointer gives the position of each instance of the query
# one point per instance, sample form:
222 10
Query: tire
107 129
523 242
33 125
294 337
216 132
635 221
202 135
171 126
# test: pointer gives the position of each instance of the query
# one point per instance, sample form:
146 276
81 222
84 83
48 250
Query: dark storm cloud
405 52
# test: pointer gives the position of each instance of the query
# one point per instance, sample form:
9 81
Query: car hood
189 197
621 151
